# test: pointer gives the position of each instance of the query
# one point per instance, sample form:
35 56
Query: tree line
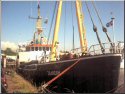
8 51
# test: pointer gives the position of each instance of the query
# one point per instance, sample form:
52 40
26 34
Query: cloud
22 43
8 44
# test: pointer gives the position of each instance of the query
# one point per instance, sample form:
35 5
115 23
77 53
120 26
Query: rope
97 13
64 25
103 28
62 73
95 28
52 22
72 24
89 13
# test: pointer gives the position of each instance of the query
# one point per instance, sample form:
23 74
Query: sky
18 28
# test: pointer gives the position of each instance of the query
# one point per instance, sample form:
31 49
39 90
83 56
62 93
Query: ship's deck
88 57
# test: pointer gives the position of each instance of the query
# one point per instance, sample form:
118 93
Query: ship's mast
38 25
39 20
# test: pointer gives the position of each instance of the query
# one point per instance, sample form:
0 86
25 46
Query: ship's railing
93 50
118 47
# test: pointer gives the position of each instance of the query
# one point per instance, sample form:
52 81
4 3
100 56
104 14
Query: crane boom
82 31
56 30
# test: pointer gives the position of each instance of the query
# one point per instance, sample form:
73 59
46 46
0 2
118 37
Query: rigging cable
31 8
31 5
64 26
72 25
52 22
95 29
103 28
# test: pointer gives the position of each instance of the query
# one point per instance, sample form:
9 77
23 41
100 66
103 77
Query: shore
17 84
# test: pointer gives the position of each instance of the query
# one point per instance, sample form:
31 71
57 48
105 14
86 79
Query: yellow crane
82 31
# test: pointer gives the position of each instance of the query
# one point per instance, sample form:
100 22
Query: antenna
39 17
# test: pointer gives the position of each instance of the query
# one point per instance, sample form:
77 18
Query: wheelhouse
38 47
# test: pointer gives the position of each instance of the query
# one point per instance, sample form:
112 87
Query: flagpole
113 29
113 33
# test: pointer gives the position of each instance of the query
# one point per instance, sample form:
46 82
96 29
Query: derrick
82 31
56 30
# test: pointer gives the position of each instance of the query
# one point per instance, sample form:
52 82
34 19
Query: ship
83 70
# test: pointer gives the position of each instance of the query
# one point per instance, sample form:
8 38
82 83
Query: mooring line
59 75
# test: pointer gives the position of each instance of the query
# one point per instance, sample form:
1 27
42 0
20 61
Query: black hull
96 74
